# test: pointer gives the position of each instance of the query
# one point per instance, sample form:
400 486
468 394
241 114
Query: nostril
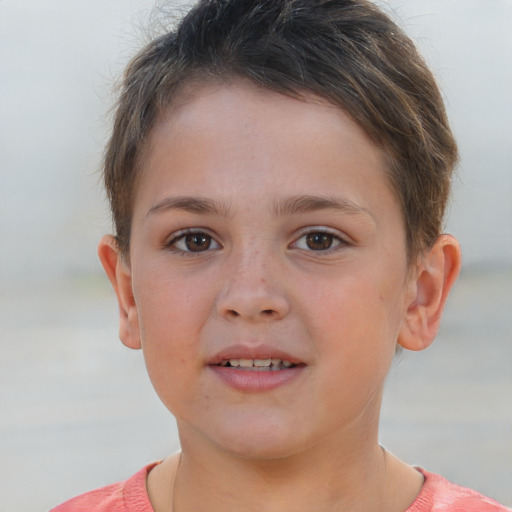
237 304
265 313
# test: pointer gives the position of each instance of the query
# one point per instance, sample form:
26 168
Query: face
268 270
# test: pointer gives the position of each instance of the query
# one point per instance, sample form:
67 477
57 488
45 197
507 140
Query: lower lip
254 381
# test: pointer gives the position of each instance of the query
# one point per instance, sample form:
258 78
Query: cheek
357 314
172 311
171 305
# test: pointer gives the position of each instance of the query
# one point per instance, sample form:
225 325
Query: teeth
261 362
271 364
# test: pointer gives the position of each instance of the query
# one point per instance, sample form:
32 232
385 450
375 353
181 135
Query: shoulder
127 496
441 495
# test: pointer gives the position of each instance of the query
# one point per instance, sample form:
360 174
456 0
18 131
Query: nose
252 291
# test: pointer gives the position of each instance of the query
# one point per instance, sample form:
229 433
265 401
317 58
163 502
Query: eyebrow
283 207
311 203
191 205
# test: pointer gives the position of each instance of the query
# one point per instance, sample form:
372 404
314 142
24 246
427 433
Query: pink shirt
437 495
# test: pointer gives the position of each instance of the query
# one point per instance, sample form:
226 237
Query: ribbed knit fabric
437 495
128 496
440 495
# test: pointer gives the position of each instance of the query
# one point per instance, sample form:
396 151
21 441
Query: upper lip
252 352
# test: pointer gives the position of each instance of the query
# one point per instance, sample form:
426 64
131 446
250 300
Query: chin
259 440
260 451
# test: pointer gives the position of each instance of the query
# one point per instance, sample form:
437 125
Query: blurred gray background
76 408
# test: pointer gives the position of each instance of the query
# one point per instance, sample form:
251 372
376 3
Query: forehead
250 103
246 138
206 106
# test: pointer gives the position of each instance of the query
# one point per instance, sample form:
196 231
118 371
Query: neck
327 477
346 471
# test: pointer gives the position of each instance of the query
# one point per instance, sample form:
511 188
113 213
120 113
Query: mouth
256 369
257 365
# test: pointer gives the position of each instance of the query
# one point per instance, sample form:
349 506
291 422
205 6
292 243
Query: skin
301 249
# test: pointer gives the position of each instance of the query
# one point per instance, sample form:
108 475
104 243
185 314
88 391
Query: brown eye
198 242
318 241
195 242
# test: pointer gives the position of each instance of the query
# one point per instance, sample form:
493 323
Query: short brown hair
345 51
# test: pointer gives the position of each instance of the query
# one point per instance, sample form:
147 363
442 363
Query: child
278 173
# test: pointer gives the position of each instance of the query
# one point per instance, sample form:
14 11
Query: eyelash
182 235
335 241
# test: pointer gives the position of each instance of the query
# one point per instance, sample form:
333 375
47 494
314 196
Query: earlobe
434 275
119 274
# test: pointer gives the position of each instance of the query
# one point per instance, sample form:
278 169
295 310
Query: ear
119 274
430 283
